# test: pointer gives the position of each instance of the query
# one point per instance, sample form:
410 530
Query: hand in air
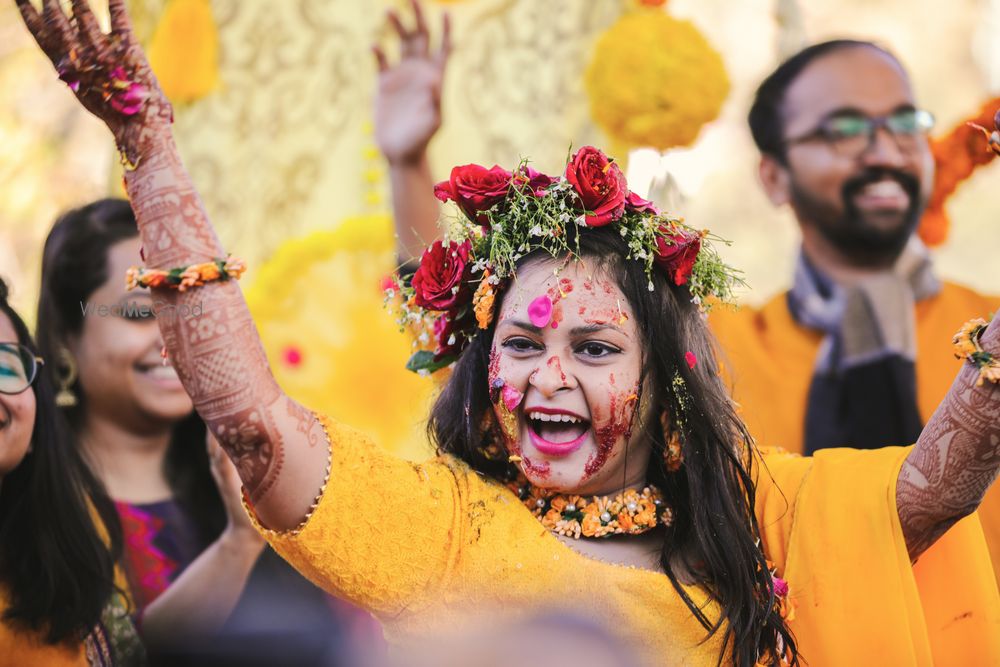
408 103
108 72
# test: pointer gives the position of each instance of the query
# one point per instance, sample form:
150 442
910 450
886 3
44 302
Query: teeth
544 417
884 188
161 372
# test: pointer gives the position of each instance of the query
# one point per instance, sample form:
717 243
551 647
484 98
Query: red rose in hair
475 189
600 184
677 251
536 180
438 281
444 328
637 204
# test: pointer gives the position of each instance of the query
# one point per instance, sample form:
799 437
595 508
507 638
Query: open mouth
556 432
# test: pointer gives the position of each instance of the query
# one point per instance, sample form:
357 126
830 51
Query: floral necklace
631 512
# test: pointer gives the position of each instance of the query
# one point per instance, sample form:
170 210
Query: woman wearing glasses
61 603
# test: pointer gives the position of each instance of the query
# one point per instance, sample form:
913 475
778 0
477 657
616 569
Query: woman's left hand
108 73
227 480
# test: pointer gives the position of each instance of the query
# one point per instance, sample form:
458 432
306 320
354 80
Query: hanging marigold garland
957 154
654 80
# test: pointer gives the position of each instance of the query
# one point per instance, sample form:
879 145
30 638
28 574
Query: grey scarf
864 391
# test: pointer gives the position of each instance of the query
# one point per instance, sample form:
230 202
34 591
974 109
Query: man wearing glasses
859 349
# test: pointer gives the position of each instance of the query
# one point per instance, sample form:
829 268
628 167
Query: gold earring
66 375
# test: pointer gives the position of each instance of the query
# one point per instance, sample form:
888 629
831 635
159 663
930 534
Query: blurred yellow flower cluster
654 80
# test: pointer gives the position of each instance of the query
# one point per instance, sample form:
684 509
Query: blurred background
279 142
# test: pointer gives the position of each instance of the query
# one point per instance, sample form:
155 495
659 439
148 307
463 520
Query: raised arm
278 446
407 116
957 456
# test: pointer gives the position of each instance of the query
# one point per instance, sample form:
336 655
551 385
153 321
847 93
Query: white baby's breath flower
424 338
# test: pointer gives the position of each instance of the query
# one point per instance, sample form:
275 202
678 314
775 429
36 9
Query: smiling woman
617 339
130 417
60 599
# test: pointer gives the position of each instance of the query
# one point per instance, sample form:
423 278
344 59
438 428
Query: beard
866 238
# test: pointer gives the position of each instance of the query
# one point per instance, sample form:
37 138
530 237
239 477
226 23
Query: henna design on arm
955 460
208 331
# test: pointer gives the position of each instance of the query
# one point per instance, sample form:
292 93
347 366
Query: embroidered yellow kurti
771 358
427 547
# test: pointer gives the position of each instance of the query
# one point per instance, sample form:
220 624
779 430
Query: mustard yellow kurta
23 649
427 547
771 358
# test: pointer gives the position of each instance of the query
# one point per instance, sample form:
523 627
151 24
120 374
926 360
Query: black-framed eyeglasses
852 133
18 367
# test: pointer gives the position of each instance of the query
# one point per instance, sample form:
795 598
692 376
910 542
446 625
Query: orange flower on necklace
590 525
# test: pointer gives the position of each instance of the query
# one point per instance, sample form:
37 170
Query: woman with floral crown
589 455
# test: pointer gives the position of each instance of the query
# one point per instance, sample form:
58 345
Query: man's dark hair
766 122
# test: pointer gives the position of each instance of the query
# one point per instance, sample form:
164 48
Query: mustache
909 182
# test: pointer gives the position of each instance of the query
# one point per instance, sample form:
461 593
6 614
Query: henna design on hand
108 73
956 459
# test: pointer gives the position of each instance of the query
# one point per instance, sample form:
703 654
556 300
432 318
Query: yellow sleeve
382 535
858 599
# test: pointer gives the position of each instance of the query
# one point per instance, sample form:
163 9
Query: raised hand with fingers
108 72
408 104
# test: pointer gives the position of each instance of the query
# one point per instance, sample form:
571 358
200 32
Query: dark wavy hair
714 532
74 265
54 562
766 119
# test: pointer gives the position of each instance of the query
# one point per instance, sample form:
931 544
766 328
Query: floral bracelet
967 346
183 277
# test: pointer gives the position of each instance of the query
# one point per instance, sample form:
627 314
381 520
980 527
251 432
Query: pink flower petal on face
540 311
511 397
691 359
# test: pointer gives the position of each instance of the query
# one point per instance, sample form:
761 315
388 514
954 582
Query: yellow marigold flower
625 521
655 80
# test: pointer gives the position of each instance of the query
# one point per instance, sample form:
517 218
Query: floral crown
506 215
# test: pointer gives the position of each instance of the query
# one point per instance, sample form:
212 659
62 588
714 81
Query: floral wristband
967 346
183 277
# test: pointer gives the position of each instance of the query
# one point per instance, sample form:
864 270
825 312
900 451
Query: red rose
438 281
637 204
676 252
600 184
449 337
536 180
475 189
